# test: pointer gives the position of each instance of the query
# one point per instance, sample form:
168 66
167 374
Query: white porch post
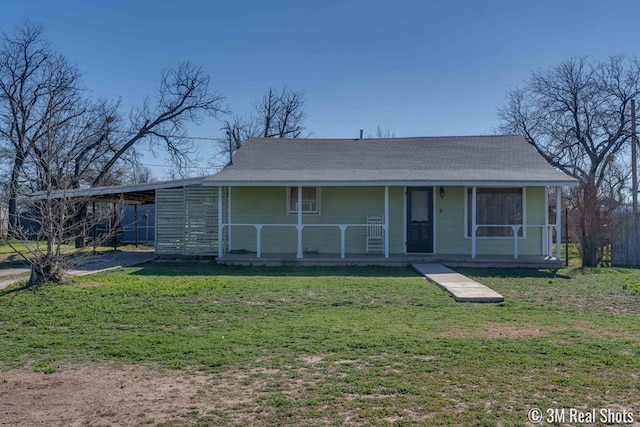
228 219
299 225
558 222
386 221
220 222
343 228
516 231
545 233
258 240
473 222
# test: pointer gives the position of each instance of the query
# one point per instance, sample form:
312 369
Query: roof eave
396 183
117 189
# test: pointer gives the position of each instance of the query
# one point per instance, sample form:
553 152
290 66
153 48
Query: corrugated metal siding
170 221
201 221
187 221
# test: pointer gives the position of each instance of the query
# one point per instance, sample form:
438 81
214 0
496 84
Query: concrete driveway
107 261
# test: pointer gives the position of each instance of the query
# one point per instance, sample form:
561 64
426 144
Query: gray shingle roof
455 160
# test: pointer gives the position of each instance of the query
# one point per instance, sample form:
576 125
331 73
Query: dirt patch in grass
311 360
497 330
99 395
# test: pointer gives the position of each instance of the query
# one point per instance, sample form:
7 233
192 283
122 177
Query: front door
419 219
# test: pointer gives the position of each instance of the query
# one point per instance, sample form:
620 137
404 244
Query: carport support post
135 211
299 226
95 236
386 221
114 229
558 222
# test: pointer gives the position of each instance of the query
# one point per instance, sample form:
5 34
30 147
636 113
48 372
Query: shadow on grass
513 273
211 269
207 268
12 261
23 288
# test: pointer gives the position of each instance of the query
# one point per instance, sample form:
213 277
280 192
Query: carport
172 209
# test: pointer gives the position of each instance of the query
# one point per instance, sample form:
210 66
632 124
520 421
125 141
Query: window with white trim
496 207
310 200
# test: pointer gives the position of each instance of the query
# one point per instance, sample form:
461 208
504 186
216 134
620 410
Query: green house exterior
321 232
470 197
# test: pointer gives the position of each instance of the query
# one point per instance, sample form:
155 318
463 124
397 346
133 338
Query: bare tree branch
576 115
279 114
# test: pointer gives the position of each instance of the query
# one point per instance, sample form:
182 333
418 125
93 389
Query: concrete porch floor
392 261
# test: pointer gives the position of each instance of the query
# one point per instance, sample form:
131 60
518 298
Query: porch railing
546 232
546 240
342 227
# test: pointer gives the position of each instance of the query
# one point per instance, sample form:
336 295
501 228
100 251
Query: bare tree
576 115
184 96
616 183
37 84
58 140
47 223
279 114
37 87
383 133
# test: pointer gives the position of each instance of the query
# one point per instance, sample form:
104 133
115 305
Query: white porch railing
342 227
546 240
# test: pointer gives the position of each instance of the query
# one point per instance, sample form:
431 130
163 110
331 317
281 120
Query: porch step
460 287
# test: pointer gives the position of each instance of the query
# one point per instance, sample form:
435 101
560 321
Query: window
310 200
496 206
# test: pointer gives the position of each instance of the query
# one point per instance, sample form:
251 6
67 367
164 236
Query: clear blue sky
415 67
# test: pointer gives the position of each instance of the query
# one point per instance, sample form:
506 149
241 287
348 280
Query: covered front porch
331 225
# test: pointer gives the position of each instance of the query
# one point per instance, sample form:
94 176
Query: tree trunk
591 223
44 271
13 196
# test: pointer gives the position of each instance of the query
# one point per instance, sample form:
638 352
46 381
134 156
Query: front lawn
10 258
345 345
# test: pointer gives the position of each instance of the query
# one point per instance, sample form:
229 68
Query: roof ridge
393 138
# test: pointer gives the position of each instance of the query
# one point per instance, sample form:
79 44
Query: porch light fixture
442 192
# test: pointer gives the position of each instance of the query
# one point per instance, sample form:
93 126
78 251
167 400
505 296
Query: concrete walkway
460 287
103 262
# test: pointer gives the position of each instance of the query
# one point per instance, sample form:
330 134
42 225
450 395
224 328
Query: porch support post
228 219
473 222
545 230
558 222
343 228
95 234
299 226
258 240
516 231
135 212
219 222
386 221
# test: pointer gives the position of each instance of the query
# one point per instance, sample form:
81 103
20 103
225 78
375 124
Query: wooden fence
625 239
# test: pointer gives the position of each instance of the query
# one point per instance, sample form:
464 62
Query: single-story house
461 198
471 196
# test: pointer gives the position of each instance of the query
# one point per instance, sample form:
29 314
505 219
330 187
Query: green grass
346 345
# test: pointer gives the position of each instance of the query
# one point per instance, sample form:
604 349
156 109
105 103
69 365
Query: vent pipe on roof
361 132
